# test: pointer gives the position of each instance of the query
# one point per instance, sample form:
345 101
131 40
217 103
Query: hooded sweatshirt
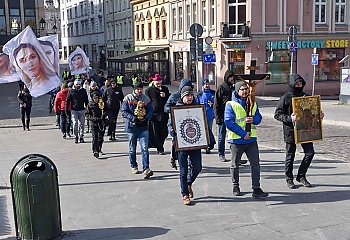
284 110
222 96
174 98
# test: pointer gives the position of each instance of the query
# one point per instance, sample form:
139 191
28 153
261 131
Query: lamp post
42 24
54 28
16 26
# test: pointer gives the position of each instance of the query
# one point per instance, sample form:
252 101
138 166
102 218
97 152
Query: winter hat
64 85
239 84
186 90
138 85
206 80
157 77
95 94
93 84
77 81
70 84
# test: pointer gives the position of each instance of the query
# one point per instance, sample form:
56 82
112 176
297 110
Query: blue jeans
221 139
78 118
196 162
143 136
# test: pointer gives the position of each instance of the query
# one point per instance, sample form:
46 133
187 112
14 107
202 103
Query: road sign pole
291 62
197 78
314 76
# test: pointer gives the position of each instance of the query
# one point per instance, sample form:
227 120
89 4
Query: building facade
244 31
119 28
15 15
82 24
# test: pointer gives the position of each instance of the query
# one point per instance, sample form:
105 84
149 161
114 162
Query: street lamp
15 25
41 25
54 28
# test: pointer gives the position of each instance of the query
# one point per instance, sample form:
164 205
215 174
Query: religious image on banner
51 48
31 63
7 71
78 62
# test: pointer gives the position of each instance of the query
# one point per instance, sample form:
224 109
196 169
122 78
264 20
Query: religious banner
31 63
308 124
52 50
190 124
78 62
7 70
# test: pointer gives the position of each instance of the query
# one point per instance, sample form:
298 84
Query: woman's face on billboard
28 60
49 53
78 61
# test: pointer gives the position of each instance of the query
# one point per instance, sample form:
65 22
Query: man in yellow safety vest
120 79
240 140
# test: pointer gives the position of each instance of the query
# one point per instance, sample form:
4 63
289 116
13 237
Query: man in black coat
113 96
159 96
284 114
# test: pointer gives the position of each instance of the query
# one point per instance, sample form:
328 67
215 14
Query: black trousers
305 163
25 112
97 137
112 116
65 121
158 134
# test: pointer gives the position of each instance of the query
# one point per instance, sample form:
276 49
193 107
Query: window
212 13
92 25
29 18
125 30
157 29
94 52
204 14
340 11
149 30
64 31
237 16
328 64
164 28
320 11
236 61
2 22
81 10
76 29
76 12
180 19
188 21
92 7
174 20
194 10
278 66
108 32
137 33
116 36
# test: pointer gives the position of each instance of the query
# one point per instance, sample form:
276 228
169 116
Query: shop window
178 64
278 66
328 67
236 61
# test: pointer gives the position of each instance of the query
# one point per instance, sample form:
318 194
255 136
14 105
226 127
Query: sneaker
186 200
64 135
134 170
173 163
81 140
207 151
236 191
291 184
243 162
28 129
303 181
190 191
147 173
69 135
76 140
223 159
258 193
96 154
161 153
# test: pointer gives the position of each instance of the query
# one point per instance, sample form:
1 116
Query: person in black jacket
159 95
78 99
25 104
284 114
113 96
96 113
222 96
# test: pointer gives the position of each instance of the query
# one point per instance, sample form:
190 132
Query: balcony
235 31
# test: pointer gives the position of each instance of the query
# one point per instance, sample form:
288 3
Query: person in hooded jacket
206 97
59 106
172 101
284 113
96 113
113 96
186 157
25 104
241 141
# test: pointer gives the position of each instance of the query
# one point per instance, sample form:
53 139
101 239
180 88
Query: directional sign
314 59
199 44
209 58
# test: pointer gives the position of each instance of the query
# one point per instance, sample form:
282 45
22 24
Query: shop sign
308 44
235 46
181 48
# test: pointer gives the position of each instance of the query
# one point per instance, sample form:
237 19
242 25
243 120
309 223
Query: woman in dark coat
25 104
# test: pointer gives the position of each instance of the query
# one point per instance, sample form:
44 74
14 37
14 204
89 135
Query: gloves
172 133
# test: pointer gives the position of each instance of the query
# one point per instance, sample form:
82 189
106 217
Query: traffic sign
293 46
196 30
208 40
209 58
314 59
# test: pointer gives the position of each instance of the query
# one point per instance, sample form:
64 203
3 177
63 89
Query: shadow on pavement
120 233
5 227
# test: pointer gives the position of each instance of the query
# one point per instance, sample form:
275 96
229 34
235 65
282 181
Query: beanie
93 84
70 84
186 90
64 85
239 84
206 80
77 81
138 85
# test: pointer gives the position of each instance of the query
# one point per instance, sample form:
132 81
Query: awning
136 54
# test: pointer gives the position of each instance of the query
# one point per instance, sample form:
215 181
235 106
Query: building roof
140 53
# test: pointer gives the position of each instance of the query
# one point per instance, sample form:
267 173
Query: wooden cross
252 79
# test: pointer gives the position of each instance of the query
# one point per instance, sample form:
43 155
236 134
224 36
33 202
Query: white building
52 18
83 25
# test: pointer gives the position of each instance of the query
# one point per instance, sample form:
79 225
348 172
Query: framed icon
308 126
190 124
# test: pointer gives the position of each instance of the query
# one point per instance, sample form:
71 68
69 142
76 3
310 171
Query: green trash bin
35 198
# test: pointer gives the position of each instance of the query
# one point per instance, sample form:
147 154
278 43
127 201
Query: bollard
35 198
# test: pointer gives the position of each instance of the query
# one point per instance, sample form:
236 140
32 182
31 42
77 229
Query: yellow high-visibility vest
134 80
241 114
120 80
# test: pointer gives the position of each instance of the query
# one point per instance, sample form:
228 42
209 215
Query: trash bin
35 198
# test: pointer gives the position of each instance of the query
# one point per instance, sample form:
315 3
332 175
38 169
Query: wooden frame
308 127
191 127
